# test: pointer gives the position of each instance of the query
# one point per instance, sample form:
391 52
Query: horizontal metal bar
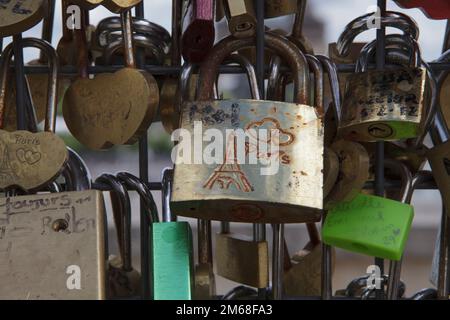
169 70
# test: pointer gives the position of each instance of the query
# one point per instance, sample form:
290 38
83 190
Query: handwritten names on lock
369 219
42 235
389 94
43 215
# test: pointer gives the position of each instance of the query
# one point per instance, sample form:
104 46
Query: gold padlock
242 259
235 192
384 105
31 160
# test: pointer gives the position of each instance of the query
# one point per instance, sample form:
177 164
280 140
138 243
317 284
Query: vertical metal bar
260 229
144 176
20 82
177 8
379 154
278 261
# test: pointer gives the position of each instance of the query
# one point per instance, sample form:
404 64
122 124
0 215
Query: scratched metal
17 16
232 191
38 262
30 160
384 105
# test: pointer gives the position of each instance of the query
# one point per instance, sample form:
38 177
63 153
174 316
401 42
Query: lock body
52 246
242 260
17 16
383 105
241 17
369 225
172 261
235 192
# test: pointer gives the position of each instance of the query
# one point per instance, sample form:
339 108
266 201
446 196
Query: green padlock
372 225
172 252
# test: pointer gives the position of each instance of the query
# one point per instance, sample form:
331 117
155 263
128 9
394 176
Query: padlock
372 225
278 8
111 109
241 258
304 277
38 83
123 279
17 16
384 105
237 192
198 30
172 253
32 160
241 17
205 281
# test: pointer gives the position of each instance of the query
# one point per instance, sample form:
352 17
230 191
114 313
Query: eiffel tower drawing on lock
230 172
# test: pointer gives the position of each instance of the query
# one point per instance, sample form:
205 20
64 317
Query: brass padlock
236 192
53 246
111 109
31 160
304 275
384 105
116 6
242 259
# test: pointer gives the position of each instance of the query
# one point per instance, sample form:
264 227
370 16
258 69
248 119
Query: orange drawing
283 139
229 173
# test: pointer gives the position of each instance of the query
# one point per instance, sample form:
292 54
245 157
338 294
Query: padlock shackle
121 204
76 173
333 78
289 52
297 28
401 43
392 19
204 242
142 27
316 67
400 168
275 76
128 41
166 192
183 82
134 183
139 41
52 103
245 63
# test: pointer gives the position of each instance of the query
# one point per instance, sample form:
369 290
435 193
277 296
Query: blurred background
325 20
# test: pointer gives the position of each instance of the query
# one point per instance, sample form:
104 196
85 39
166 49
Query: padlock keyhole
60 225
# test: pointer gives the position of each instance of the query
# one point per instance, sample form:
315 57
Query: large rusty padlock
237 192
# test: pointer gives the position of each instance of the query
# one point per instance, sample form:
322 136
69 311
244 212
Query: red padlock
198 30
434 9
